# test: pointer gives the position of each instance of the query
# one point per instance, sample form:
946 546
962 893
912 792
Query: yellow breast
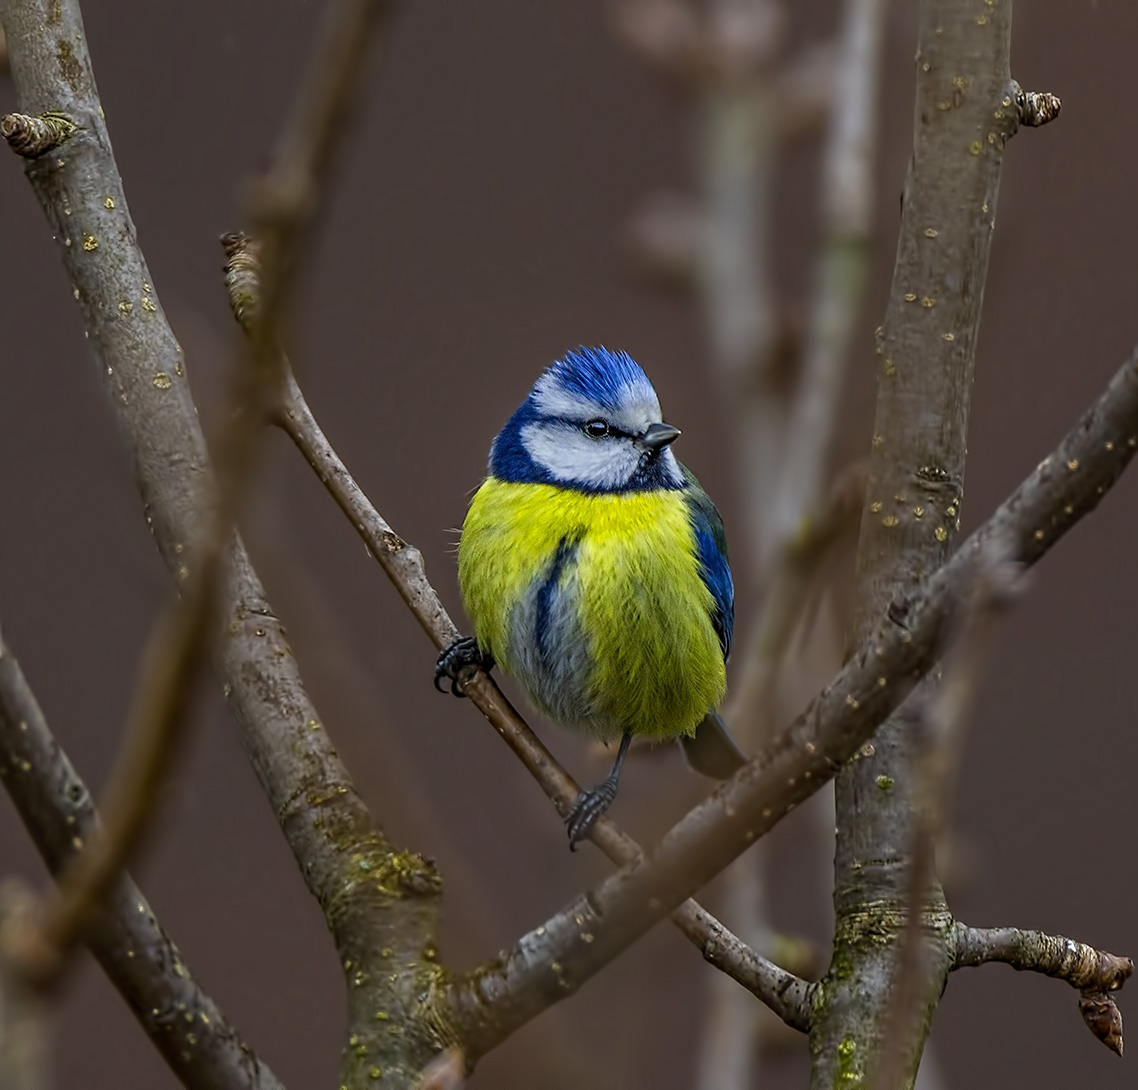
595 603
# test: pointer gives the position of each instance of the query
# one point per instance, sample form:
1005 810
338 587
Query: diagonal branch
200 1044
1094 972
553 960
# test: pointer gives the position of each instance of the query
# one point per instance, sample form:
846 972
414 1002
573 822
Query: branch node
243 277
1036 107
31 137
1096 973
1103 1018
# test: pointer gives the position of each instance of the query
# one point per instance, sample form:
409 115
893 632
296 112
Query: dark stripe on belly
546 595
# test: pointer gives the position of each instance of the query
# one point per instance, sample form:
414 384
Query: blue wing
711 545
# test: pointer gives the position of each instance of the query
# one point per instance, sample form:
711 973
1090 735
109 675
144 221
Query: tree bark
965 112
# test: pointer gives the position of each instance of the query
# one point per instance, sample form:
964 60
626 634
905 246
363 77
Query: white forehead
632 409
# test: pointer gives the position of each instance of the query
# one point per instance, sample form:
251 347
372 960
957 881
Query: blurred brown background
476 234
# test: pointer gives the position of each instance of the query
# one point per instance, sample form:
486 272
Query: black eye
596 429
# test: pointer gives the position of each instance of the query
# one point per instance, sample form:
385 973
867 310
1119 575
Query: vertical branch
787 434
24 1050
964 114
550 962
781 415
935 725
846 223
735 150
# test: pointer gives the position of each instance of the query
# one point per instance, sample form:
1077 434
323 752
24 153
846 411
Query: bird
594 569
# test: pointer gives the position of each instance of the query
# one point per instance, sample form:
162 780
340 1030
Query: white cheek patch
568 455
672 469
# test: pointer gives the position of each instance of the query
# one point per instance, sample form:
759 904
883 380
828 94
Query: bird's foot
590 805
457 662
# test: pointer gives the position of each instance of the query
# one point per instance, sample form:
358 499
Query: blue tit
594 569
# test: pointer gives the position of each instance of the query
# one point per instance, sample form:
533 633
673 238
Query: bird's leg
594 802
456 662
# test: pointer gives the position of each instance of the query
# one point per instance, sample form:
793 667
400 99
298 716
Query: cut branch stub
243 277
31 137
1036 107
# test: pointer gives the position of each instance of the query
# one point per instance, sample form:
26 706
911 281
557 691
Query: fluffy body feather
592 564
596 604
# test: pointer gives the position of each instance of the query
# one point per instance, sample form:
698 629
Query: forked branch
550 962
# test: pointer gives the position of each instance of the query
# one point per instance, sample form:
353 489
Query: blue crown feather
602 376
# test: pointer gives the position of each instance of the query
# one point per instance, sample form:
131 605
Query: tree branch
841 265
964 113
746 103
553 960
403 564
24 1047
1094 972
204 1050
160 708
787 995
381 905
934 720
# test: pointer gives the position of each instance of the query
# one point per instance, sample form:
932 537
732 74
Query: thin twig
841 265
24 1048
796 473
284 202
200 1044
787 995
1095 973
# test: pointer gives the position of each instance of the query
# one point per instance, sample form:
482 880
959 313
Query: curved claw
590 805
456 659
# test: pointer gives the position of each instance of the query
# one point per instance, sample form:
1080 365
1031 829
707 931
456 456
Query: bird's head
591 422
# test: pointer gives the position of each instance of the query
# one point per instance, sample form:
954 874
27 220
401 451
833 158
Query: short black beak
657 436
